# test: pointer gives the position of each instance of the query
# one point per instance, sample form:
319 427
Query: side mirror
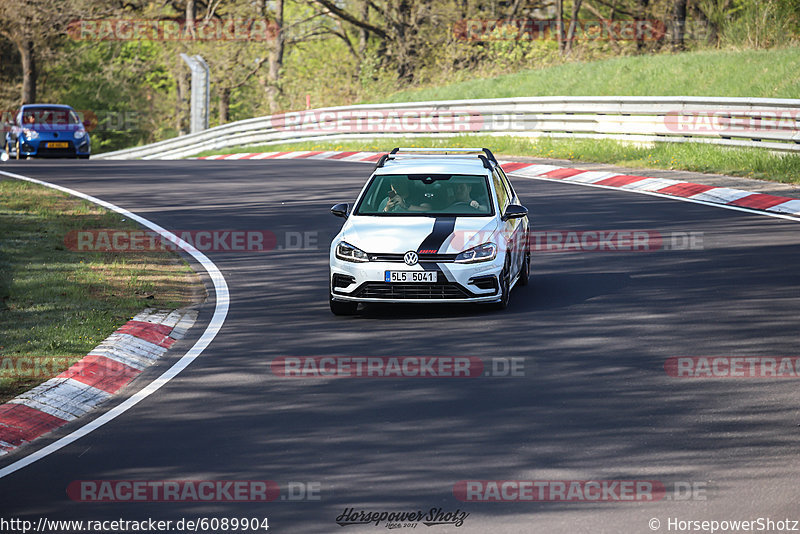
515 211
340 210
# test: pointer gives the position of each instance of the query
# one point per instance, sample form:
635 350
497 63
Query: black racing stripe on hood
442 228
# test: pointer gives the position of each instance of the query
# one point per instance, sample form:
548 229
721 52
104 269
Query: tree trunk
560 25
224 104
641 8
404 41
362 32
576 7
29 73
678 24
275 62
190 17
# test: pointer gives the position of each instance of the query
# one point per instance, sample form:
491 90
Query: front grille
398 258
400 291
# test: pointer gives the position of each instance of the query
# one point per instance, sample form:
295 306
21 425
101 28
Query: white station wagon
431 225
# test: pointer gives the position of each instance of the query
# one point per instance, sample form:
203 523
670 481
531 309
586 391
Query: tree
576 7
402 31
33 25
678 24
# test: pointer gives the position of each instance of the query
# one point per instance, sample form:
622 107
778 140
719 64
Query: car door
507 228
516 228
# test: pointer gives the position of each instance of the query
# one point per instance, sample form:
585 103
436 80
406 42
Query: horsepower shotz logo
434 516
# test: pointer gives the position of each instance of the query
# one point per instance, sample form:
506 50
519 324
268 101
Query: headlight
485 252
30 134
79 134
347 252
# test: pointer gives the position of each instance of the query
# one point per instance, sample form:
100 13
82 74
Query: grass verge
771 73
57 304
746 162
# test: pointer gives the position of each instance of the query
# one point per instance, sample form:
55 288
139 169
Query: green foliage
119 86
759 23
60 303
132 87
750 73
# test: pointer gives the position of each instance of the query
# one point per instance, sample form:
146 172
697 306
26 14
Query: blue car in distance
47 130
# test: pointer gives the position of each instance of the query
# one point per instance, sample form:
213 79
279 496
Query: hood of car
430 235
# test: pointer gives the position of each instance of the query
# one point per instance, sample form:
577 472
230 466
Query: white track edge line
661 195
213 328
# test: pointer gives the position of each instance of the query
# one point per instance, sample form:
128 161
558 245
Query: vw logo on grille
411 258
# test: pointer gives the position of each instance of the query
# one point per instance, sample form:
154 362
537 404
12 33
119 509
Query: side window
507 184
502 193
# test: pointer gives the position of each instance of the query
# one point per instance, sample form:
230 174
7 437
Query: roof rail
484 153
381 161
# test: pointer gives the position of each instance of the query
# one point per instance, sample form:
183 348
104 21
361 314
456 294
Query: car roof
433 165
50 106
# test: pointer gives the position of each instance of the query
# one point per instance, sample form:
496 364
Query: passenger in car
398 198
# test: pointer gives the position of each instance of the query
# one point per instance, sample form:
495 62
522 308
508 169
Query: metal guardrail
772 124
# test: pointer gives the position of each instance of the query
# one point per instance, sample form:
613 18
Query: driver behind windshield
463 196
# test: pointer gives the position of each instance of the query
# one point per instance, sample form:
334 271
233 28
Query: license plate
57 145
411 276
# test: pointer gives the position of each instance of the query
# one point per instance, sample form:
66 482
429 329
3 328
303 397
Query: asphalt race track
593 331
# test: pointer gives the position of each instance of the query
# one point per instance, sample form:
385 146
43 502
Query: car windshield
49 117
427 194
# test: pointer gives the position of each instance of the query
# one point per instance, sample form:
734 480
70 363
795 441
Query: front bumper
39 148
456 282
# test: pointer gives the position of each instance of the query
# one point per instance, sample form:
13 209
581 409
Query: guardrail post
200 92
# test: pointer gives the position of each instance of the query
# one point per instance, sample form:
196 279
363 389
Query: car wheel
525 270
339 307
505 288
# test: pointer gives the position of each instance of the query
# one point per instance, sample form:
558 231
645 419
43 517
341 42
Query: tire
525 271
505 289
339 307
